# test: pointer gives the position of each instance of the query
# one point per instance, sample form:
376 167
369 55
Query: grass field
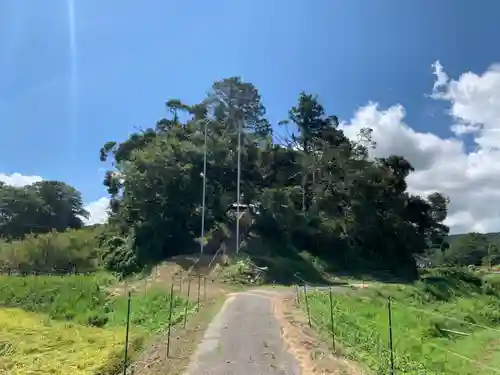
35 344
446 323
76 298
70 325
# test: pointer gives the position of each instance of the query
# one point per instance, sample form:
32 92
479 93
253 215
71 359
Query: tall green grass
71 324
77 298
446 323
150 310
85 300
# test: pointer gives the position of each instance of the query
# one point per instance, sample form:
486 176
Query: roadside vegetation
471 249
321 205
74 325
445 323
69 252
34 344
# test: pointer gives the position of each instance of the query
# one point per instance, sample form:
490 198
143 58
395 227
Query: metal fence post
170 317
199 286
307 306
187 300
331 320
391 349
125 359
205 288
181 279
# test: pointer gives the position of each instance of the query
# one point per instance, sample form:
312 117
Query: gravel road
244 339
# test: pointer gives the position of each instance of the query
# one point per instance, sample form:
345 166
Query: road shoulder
313 353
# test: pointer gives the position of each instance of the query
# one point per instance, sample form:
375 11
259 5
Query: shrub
119 255
74 250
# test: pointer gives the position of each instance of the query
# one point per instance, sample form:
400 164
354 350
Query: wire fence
186 294
193 294
390 337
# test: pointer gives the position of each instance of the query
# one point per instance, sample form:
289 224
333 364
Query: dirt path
245 338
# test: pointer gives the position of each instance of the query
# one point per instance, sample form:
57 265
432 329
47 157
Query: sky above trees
87 72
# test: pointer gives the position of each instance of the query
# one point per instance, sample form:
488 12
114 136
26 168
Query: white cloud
17 179
470 179
441 76
98 211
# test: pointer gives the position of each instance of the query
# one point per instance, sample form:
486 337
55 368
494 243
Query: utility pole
203 199
238 180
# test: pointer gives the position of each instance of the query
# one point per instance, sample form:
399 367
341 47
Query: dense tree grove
316 190
469 249
39 208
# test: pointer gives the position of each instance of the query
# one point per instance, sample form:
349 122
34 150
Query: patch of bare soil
189 286
314 355
164 274
360 286
160 275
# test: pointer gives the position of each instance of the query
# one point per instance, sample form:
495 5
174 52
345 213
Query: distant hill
493 236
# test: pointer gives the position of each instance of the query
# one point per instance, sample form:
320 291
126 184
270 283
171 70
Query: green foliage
233 100
156 188
39 208
118 255
472 249
284 269
84 300
493 236
242 272
446 311
76 298
348 209
275 261
150 310
70 251
321 192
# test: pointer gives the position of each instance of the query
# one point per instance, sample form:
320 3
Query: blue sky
77 73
